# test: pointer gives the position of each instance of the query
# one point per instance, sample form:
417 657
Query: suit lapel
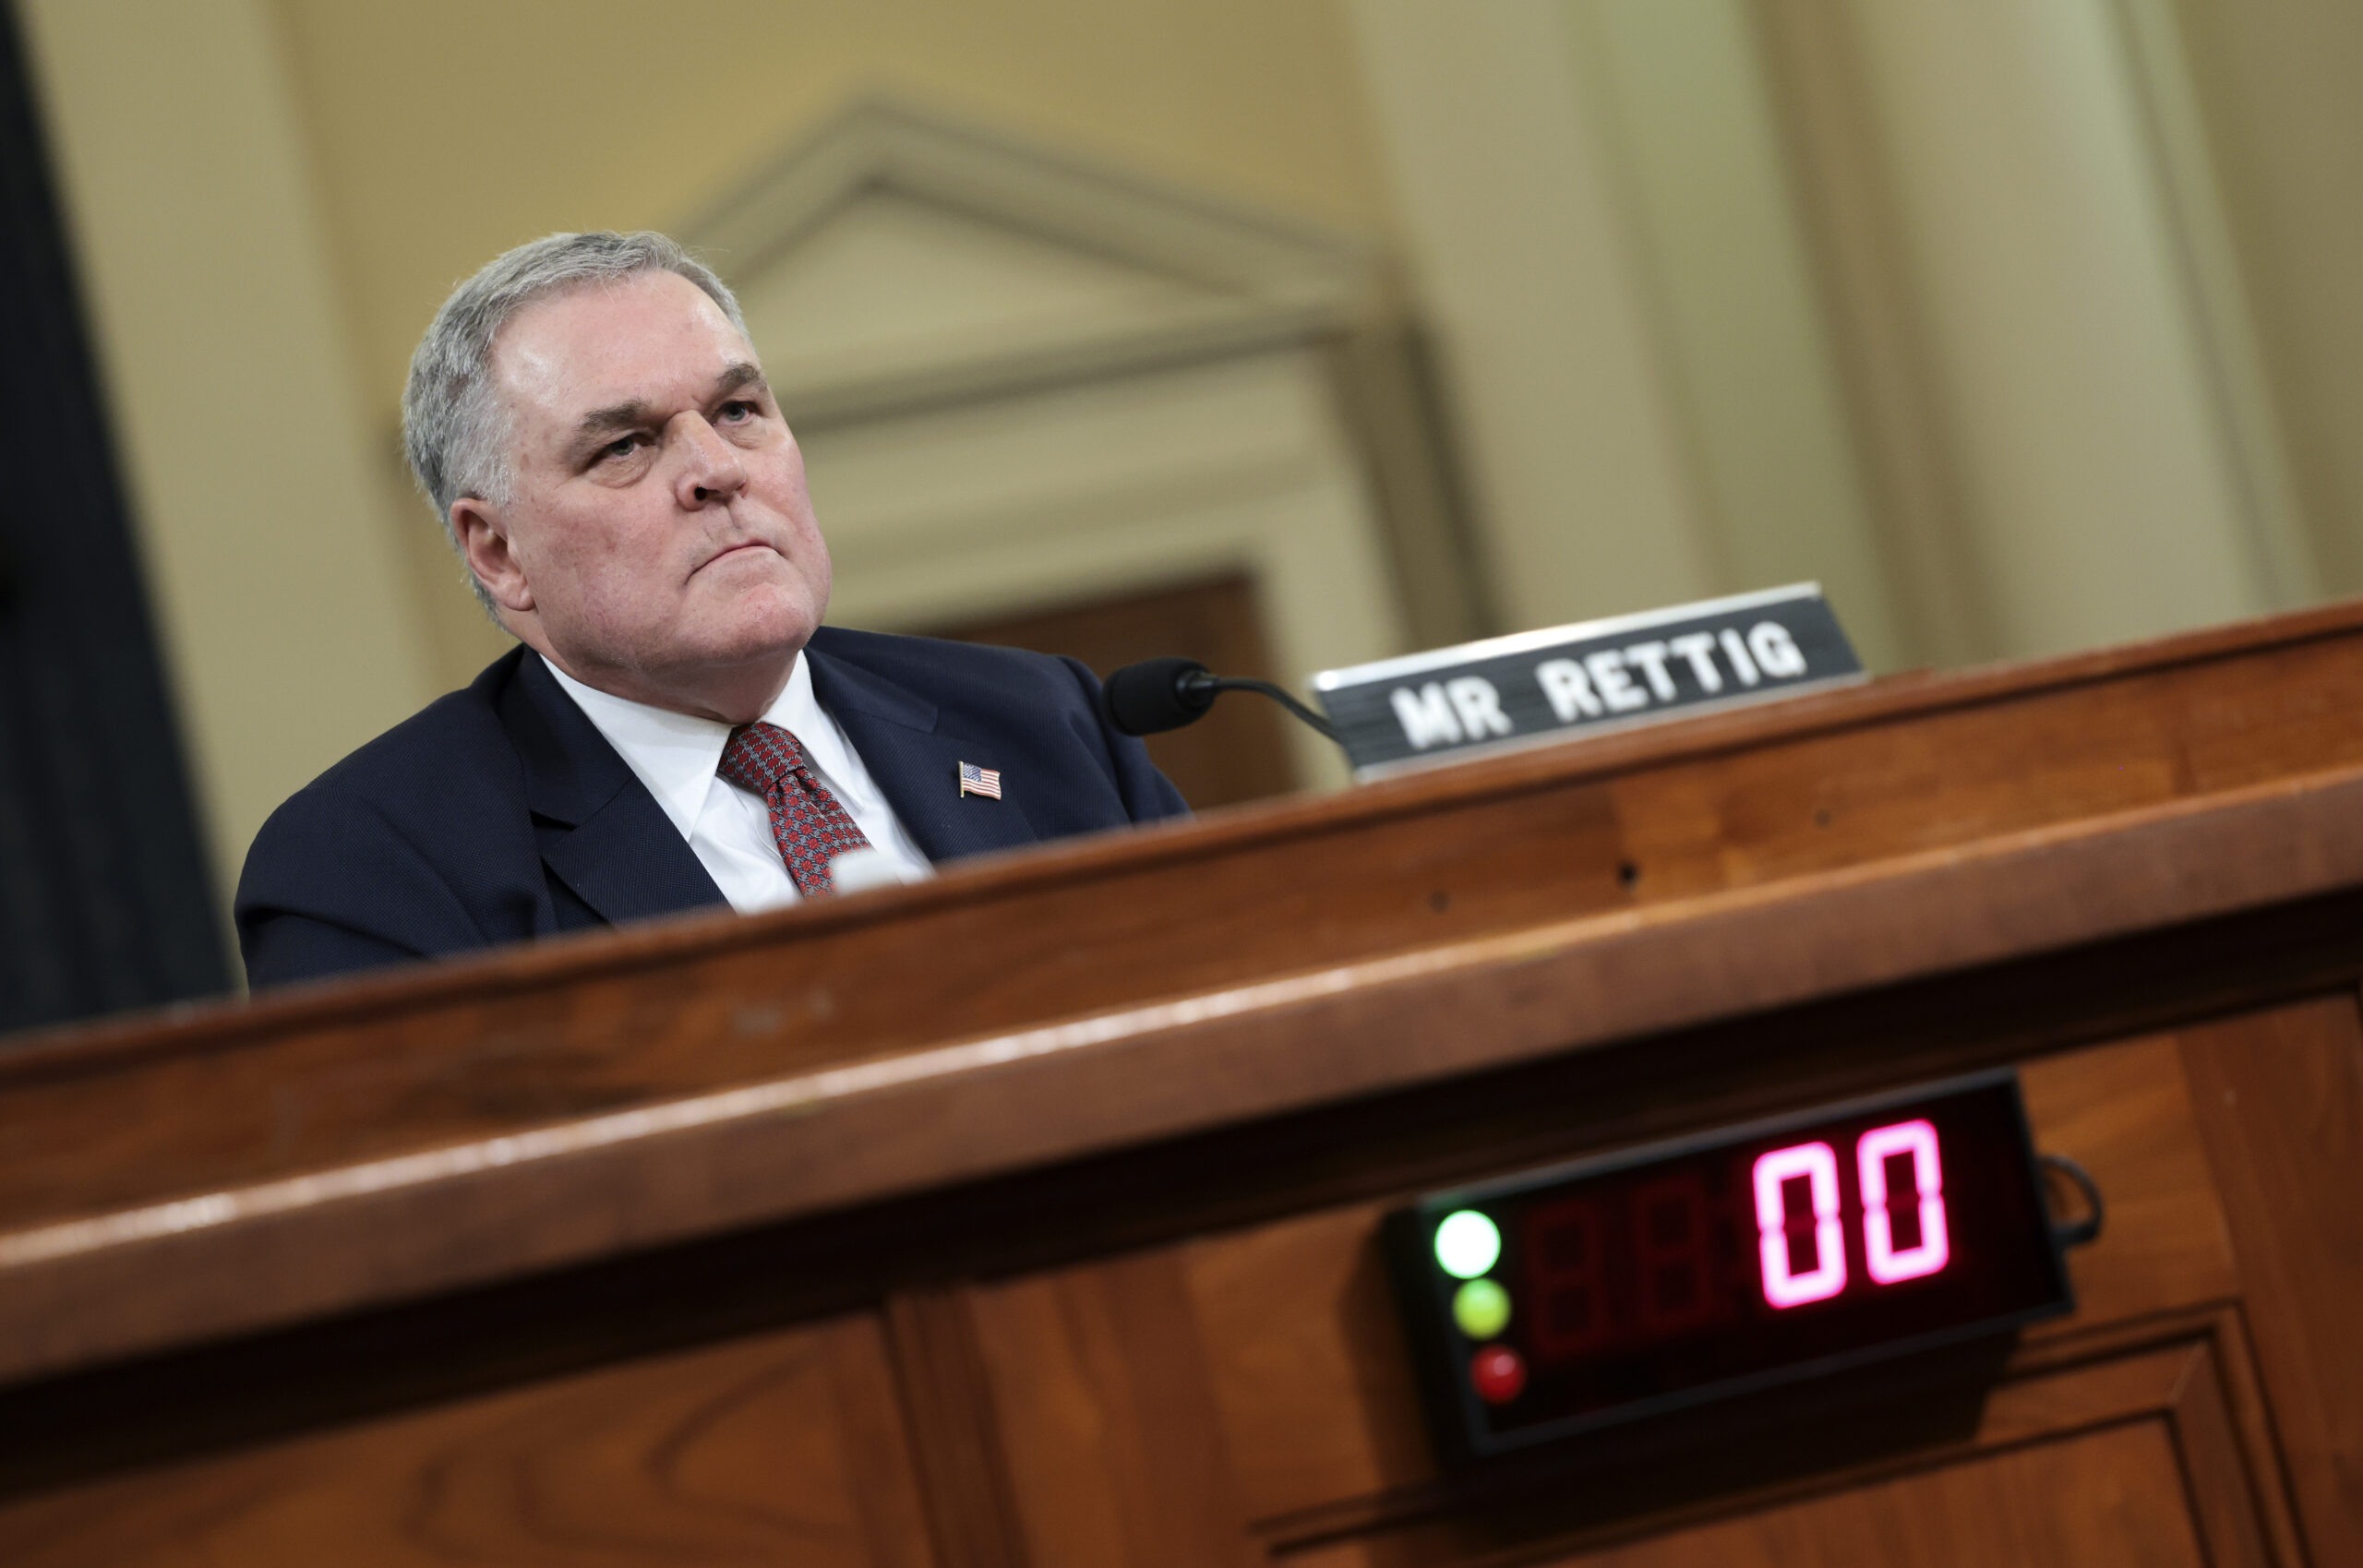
602 833
916 766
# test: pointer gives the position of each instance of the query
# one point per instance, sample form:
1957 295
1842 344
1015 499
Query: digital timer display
1569 1298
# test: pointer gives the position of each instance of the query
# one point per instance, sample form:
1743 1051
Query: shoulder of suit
923 663
418 761
429 817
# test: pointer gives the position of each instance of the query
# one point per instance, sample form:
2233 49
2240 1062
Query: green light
1482 1308
1467 1244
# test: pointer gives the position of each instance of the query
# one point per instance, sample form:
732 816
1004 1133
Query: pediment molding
887 196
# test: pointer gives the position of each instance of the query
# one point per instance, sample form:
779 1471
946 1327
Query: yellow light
1482 1308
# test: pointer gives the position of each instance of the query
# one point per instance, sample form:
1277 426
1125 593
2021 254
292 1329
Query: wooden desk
1026 1217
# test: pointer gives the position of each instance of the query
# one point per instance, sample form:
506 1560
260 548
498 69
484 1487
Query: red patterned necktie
811 828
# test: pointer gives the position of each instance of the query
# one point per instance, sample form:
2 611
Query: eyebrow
735 377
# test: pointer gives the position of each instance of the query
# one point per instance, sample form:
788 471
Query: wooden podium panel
1291 1328
784 1447
1624 824
1028 1217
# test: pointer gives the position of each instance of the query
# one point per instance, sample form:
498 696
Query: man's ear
482 534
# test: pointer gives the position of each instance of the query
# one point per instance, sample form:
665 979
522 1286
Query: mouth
750 547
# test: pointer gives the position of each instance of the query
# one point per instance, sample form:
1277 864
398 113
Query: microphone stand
1202 685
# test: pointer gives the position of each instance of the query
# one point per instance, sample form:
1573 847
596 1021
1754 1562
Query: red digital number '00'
1786 1283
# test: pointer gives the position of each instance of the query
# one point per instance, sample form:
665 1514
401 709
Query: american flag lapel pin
979 781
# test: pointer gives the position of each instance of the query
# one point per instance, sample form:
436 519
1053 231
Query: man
677 728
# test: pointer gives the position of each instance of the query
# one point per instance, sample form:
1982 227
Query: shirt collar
675 754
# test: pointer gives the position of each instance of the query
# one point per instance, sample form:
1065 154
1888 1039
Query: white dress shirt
728 828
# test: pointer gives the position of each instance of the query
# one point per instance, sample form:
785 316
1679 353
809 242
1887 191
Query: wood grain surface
2097 1499
507 1041
2280 1101
2128 1452
244 1258
782 1448
1103 1405
1313 1380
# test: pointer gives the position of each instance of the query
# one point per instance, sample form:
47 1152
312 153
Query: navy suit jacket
500 813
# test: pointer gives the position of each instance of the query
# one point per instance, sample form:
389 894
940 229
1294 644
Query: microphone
1157 695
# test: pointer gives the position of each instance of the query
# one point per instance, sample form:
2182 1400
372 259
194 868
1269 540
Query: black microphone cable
1157 695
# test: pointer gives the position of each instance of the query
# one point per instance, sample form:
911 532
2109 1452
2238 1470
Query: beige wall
1519 252
1683 100
2280 86
223 345
448 130
2101 483
1595 209
1615 228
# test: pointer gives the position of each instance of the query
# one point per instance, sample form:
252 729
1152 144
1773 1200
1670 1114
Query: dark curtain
105 901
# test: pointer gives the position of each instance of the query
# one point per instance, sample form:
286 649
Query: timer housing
1582 1296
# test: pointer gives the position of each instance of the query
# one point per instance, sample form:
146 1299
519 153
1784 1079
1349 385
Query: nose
711 472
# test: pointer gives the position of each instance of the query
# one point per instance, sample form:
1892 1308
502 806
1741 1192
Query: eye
622 446
739 409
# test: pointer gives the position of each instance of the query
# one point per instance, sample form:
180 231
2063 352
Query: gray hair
455 430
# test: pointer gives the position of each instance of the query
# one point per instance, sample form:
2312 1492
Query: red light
1498 1373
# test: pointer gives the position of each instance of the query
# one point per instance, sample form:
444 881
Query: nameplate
1572 680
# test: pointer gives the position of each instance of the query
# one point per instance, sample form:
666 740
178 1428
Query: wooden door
1237 752
1244 1398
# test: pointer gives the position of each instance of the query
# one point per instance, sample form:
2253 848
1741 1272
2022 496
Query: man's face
658 535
